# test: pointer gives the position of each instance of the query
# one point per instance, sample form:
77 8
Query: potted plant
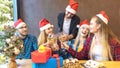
10 45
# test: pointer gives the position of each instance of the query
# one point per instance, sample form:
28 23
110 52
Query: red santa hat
18 23
72 7
84 23
44 24
103 16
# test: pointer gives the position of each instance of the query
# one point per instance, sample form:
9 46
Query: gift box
51 63
41 56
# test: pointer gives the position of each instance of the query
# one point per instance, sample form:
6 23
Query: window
6 13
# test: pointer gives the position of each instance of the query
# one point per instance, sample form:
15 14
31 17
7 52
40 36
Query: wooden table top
107 64
24 63
27 63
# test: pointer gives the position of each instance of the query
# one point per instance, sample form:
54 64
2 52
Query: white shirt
66 25
98 50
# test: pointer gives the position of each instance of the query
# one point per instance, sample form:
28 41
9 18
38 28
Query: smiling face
23 30
84 30
49 30
94 26
68 14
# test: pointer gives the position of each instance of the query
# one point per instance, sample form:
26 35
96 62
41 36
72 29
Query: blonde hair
106 34
78 38
42 38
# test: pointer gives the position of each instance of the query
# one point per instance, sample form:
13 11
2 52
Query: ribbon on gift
58 59
41 48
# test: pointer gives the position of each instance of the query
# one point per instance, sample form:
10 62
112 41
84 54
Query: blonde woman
103 45
82 35
46 28
47 32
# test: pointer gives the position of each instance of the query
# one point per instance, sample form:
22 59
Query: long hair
42 38
106 34
78 38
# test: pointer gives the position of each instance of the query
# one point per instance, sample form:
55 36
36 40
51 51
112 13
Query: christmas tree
10 44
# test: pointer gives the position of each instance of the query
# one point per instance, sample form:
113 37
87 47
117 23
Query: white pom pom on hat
84 22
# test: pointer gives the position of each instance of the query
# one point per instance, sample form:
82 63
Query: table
24 63
27 63
107 64
112 64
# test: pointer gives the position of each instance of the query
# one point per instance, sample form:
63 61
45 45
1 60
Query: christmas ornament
10 45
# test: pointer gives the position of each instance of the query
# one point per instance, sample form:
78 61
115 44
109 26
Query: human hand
64 45
63 38
54 47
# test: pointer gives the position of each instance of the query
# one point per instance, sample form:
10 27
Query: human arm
66 37
60 20
73 26
83 55
35 43
115 49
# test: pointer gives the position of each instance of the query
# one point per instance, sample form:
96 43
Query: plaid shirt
84 54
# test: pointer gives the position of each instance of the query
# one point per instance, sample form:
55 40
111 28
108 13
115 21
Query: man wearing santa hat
29 41
68 21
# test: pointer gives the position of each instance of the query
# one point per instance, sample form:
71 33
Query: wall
34 10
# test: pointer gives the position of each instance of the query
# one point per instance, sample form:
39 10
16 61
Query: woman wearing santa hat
104 45
46 28
82 35
46 31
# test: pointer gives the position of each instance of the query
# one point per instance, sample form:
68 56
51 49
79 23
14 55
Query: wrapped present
41 55
58 59
51 63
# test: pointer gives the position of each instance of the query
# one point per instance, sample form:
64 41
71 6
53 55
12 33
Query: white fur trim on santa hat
45 27
84 25
78 26
102 18
68 8
19 25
